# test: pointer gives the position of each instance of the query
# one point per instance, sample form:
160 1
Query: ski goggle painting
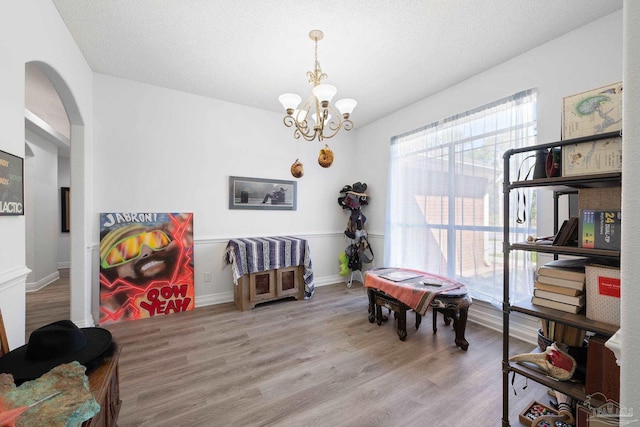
130 247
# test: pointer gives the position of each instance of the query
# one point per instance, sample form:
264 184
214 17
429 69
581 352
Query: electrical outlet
207 276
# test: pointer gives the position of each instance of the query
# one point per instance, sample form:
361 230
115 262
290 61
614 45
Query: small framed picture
65 209
262 194
11 184
592 112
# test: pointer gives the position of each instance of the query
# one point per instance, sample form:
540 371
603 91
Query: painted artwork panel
11 184
146 265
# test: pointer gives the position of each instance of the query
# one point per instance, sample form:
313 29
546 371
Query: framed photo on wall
11 184
262 194
65 209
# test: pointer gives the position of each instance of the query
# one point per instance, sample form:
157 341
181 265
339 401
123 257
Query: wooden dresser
104 383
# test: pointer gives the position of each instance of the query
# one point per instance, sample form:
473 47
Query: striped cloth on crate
252 255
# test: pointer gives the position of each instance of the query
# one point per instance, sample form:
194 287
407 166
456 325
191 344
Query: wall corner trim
13 277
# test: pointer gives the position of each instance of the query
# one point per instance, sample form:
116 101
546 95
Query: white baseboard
224 297
36 286
330 280
212 299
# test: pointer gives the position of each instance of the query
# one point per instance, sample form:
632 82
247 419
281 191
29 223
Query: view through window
445 197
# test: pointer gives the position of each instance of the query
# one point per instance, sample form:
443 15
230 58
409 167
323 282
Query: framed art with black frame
11 184
262 194
65 203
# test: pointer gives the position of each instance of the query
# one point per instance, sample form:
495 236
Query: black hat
54 344
359 187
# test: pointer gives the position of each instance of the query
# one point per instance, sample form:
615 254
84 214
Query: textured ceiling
386 54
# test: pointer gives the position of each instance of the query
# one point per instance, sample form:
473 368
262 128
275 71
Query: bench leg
460 325
402 323
459 317
435 318
372 306
379 316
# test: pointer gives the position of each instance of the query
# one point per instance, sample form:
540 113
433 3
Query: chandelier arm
307 136
301 127
333 124
288 121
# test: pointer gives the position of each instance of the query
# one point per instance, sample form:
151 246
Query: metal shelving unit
559 185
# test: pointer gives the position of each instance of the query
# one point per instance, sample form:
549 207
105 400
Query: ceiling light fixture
328 120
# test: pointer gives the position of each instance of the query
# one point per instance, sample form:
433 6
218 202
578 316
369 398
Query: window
445 203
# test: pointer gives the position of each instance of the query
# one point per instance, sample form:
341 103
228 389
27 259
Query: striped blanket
415 288
257 254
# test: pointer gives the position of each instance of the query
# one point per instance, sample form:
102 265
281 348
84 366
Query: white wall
159 150
64 239
42 211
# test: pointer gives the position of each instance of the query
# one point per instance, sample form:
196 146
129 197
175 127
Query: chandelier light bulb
346 106
289 101
324 93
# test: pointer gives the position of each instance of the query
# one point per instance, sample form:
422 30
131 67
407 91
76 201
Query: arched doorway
60 106
47 170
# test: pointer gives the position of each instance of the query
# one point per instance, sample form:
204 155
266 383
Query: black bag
353 256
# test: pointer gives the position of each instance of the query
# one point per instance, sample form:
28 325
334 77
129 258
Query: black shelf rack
559 186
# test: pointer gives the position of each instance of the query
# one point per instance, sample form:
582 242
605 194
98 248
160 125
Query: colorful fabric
417 292
257 254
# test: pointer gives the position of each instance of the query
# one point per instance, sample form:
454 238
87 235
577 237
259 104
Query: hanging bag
365 252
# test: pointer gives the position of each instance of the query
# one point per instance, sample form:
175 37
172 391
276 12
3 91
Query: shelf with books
564 250
578 320
559 183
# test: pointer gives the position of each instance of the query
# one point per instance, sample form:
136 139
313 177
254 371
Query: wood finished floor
300 363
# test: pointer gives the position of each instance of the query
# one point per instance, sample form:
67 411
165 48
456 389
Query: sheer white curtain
445 197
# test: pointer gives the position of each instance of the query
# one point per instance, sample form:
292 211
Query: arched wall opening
80 251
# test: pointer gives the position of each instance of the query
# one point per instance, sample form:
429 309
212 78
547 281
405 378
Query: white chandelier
328 120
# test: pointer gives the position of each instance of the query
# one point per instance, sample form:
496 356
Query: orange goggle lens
130 247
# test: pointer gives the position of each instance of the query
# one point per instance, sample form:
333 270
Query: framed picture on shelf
593 157
592 112
262 194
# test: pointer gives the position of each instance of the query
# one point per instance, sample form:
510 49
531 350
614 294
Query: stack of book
558 332
560 285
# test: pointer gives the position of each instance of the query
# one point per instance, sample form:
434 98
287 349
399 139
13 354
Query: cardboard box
586 158
600 229
592 112
603 293
601 198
